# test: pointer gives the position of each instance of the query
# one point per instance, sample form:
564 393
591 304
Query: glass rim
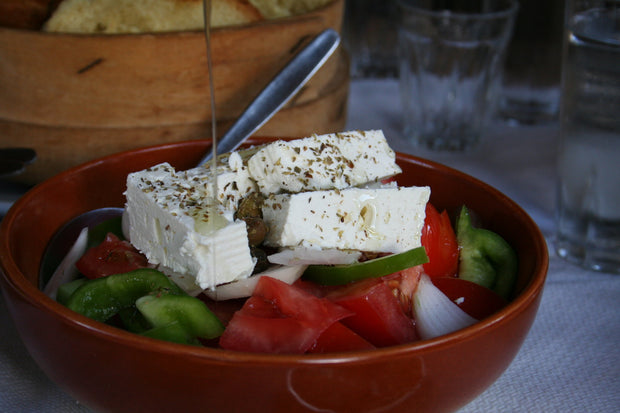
511 9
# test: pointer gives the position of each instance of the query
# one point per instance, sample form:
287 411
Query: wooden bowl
75 97
108 369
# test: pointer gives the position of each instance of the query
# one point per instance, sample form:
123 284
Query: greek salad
303 246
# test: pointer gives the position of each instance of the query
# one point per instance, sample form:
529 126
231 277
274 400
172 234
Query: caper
257 230
250 206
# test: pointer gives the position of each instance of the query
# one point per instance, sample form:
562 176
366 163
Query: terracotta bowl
109 369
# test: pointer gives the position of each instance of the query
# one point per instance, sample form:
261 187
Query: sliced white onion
245 287
435 313
314 256
66 270
185 282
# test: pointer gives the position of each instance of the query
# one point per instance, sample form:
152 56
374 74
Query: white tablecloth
570 361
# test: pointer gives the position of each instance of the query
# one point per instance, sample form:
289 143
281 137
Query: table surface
570 361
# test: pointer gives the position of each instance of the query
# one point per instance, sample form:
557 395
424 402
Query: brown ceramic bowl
109 369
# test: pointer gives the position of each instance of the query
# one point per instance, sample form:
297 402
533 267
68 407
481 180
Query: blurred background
531 76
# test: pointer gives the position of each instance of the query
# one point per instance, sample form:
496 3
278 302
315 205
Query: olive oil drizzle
206 6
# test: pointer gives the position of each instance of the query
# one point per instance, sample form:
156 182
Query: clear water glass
450 69
588 212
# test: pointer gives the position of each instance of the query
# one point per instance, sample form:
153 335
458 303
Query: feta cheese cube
233 180
379 220
333 161
172 222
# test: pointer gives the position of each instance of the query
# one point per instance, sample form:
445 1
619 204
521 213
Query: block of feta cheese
381 220
171 222
233 180
332 161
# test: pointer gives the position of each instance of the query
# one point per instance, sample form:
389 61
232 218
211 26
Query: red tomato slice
403 285
312 287
379 317
225 309
294 302
280 318
250 333
439 240
476 300
112 256
336 338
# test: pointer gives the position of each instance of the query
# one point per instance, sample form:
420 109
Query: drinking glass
588 212
451 55
369 33
532 71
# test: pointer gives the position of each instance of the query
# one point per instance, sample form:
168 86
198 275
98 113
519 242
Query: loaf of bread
273 9
143 16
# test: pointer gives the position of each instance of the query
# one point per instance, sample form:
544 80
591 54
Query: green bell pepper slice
485 257
180 318
132 320
378 267
104 297
66 290
147 303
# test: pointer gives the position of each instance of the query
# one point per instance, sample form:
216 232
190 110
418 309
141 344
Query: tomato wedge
112 256
280 318
476 300
379 317
337 338
439 240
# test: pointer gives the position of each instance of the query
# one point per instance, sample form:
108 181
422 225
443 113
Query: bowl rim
20 285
